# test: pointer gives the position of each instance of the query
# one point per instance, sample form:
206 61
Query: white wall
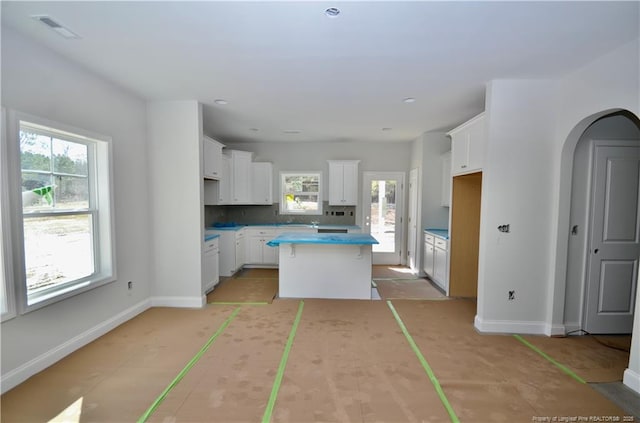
175 174
516 191
39 82
533 128
608 84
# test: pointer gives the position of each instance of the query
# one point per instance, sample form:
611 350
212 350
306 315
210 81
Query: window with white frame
301 193
66 212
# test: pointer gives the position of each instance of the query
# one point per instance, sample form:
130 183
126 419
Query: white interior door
614 238
382 208
412 222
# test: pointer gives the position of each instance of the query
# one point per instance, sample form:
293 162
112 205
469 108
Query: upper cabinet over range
343 182
467 146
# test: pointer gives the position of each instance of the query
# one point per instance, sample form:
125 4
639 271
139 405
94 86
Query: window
301 193
66 212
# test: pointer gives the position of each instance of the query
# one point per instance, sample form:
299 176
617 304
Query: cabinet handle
463 166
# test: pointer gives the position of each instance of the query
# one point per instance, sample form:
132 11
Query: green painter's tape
188 367
374 284
283 363
425 365
554 362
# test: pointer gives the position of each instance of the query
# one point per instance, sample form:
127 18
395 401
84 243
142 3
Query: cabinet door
460 152
254 249
476 145
241 179
427 266
270 255
343 182
350 184
336 186
440 267
212 160
224 185
215 267
262 183
208 271
239 252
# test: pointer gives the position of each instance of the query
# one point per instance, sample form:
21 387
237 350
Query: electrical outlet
512 295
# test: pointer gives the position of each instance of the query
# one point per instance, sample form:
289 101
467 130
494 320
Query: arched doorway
592 301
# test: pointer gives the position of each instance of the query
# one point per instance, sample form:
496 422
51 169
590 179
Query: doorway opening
604 238
383 212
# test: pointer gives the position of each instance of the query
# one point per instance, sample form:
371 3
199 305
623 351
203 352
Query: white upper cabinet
241 181
445 161
212 158
262 183
343 182
240 177
468 146
218 192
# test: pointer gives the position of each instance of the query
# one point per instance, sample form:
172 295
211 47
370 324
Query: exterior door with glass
383 214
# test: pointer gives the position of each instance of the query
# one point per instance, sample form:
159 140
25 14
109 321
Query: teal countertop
282 225
442 233
313 238
209 237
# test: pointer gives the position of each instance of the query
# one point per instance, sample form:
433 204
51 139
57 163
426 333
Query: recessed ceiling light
332 12
387 129
409 100
291 131
52 24
220 101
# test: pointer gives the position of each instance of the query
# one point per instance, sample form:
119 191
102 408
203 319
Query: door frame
412 217
369 176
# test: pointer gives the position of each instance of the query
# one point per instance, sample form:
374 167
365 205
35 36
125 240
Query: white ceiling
286 66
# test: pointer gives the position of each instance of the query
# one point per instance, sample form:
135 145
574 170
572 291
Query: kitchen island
325 265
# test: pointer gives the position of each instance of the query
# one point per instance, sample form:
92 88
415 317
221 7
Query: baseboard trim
179 302
509 326
18 375
632 380
554 330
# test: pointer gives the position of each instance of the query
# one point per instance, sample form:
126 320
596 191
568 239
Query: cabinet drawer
428 238
265 232
441 243
260 232
211 245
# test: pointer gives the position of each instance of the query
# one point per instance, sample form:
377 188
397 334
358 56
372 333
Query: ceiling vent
52 24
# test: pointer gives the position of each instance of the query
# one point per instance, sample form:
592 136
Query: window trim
103 225
6 266
283 204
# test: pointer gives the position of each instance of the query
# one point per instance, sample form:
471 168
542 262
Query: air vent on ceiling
60 29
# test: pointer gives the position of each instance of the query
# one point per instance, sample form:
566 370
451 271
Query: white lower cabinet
210 265
231 251
428 259
258 252
436 259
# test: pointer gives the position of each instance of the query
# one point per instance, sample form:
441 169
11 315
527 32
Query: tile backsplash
332 215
